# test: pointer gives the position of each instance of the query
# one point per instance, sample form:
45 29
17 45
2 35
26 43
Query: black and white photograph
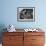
26 14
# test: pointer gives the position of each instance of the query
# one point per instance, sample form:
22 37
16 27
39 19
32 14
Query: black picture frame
26 14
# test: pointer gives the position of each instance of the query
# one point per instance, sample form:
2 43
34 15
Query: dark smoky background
26 14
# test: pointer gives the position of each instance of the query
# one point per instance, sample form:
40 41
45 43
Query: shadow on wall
2 26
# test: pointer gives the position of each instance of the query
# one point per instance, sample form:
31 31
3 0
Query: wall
9 13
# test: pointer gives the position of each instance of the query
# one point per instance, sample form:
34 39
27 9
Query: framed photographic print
26 14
